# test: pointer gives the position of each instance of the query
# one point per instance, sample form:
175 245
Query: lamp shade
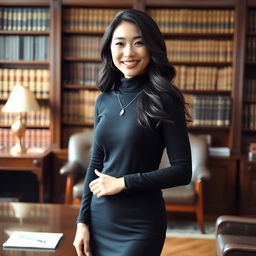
21 99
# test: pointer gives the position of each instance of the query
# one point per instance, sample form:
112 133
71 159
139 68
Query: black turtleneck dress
133 222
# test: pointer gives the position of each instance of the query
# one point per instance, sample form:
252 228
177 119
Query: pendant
121 112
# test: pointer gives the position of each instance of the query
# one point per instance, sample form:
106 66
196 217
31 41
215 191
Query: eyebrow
122 38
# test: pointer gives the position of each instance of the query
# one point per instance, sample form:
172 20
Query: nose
128 50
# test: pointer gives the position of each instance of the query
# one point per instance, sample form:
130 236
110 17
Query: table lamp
21 100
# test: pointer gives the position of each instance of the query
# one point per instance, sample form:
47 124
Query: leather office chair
189 198
184 198
79 147
235 236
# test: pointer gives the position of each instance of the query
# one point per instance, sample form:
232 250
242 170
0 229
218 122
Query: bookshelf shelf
190 4
81 59
253 63
79 124
199 35
81 87
28 126
99 3
213 128
249 130
25 62
249 101
41 101
251 33
197 63
207 92
86 32
33 33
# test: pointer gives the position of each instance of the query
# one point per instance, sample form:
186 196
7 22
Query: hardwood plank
188 247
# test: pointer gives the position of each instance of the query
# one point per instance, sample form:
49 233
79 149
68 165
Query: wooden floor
188 247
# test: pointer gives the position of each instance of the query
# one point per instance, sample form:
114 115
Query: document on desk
33 240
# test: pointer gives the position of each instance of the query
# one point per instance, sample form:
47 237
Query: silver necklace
122 111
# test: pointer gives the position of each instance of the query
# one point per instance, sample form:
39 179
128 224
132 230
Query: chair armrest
236 225
71 168
202 172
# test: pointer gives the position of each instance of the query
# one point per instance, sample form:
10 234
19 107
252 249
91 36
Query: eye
119 43
139 43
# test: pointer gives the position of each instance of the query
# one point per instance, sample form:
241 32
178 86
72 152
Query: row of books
33 138
81 73
36 79
178 50
250 89
209 110
194 20
78 106
251 49
252 21
24 19
15 47
37 118
249 116
82 46
200 50
69 130
203 78
88 19
188 78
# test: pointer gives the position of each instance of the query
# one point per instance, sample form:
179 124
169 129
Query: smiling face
129 53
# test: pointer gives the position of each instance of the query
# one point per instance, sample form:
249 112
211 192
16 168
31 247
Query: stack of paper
33 240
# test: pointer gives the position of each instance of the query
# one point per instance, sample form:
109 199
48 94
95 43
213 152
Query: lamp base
18 129
18 149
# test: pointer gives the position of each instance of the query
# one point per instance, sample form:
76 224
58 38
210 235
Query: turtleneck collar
134 84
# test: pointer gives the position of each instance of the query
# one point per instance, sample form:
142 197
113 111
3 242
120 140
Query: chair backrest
199 155
79 147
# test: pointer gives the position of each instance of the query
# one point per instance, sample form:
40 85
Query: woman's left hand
106 185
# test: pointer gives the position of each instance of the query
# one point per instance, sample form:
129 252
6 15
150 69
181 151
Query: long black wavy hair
160 72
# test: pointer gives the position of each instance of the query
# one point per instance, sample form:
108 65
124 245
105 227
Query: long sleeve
96 162
177 144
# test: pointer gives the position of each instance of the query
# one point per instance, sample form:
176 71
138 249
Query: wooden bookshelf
24 59
77 23
200 53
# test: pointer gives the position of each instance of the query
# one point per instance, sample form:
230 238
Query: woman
138 114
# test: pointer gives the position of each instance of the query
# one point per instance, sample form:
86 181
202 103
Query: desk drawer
20 163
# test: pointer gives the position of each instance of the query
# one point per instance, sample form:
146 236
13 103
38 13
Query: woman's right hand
81 241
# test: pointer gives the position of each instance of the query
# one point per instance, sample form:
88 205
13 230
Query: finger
94 186
100 194
86 250
79 250
96 191
99 174
92 183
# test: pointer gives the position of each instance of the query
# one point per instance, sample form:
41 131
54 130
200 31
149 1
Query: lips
130 63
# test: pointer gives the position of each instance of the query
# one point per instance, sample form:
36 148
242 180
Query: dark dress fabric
133 222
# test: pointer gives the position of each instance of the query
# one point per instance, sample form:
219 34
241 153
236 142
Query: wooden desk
36 162
39 218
